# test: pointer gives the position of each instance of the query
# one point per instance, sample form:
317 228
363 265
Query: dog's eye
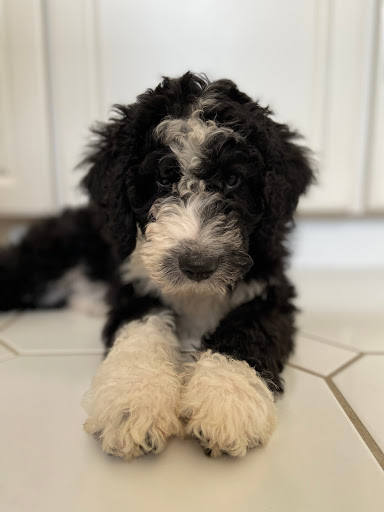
164 182
233 181
167 177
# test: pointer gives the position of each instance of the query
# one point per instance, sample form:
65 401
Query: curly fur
189 139
133 400
226 405
194 225
207 182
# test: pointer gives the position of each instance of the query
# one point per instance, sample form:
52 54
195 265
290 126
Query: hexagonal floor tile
342 307
362 332
315 461
362 384
54 332
336 290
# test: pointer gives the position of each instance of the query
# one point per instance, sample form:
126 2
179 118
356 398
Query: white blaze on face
190 219
189 138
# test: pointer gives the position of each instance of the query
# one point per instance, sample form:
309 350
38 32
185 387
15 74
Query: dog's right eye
167 177
164 182
168 172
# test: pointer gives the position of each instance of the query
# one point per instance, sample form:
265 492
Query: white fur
180 221
132 404
82 294
87 296
226 405
188 138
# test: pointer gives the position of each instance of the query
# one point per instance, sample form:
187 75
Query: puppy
192 193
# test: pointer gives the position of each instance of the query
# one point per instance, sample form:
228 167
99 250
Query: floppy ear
287 168
111 157
288 171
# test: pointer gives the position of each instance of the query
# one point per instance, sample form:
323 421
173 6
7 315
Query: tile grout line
8 347
336 344
357 423
301 368
338 369
345 365
9 321
352 416
320 339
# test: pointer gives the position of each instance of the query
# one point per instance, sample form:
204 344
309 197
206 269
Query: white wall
338 244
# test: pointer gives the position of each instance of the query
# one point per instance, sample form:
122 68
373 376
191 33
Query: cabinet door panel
75 78
26 171
375 196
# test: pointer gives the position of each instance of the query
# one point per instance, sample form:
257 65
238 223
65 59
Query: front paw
133 412
226 405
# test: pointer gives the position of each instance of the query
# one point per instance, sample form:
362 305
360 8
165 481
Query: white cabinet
343 95
375 195
310 60
27 178
75 79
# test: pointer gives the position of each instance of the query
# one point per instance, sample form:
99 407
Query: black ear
288 171
111 157
287 166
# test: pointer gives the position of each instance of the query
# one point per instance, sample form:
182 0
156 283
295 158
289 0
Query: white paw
132 404
226 405
137 416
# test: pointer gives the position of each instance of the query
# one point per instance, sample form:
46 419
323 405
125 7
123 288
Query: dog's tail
40 271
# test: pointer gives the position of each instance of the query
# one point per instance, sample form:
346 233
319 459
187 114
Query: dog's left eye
233 181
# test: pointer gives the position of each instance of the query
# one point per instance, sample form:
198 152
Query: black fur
50 248
260 179
260 332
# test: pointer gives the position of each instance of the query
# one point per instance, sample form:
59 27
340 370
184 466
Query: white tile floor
324 456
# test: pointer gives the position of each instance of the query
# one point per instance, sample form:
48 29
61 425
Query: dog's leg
228 395
132 404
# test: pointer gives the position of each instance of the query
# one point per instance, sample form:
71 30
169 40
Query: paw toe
149 445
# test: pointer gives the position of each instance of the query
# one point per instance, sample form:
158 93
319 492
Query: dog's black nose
197 267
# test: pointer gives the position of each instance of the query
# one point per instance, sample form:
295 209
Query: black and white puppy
192 189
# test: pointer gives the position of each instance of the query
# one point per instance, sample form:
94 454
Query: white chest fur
196 315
